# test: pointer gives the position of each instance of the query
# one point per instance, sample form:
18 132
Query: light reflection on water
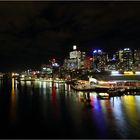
54 106
13 102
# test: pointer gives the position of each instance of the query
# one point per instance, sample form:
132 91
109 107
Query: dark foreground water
46 110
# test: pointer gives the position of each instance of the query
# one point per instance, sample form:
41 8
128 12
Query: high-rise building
120 55
100 59
137 59
127 57
75 60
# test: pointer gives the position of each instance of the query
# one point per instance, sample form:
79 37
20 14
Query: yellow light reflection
13 102
130 106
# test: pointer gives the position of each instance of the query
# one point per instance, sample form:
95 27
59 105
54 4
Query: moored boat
103 95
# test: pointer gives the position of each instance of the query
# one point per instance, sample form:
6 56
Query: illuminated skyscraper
127 57
137 59
100 59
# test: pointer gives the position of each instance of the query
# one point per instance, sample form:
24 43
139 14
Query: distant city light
53 59
55 65
22 76
113 59
137 72
44 68
128 72
126 49
94 51
74 47
97 51
114 72
15 74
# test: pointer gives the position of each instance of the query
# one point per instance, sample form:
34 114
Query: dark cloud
31 33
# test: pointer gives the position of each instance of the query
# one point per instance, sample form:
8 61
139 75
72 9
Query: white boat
103 95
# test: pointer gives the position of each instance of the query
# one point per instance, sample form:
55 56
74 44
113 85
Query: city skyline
34 32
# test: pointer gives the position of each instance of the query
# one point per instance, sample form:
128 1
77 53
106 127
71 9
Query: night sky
31 33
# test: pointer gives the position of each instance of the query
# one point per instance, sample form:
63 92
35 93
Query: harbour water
35 109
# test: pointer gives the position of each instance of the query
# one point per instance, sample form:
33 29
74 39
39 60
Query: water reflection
13 102
55 103
55 107
131 115
99 117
